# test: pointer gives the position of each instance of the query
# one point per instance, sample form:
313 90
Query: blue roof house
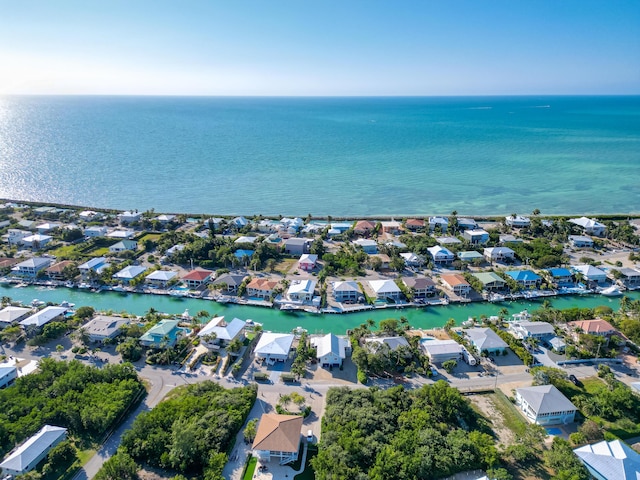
562 277
164 333
526 278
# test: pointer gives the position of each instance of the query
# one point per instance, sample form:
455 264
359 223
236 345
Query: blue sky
313 47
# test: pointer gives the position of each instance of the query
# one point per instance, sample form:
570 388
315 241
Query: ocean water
325 156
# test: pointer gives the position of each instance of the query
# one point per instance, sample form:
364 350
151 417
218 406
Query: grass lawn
251 468
149 236
512 419
67 251
99 252
285 265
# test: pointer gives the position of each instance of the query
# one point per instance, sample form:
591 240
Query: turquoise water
280 321
336 156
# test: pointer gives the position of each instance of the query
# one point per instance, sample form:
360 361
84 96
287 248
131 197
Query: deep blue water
336 156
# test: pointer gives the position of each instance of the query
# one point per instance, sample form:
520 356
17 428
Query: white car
309 436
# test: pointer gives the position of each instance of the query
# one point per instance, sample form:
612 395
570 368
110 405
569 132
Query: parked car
309 436
573 379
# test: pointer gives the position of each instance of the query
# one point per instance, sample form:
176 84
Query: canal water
279 321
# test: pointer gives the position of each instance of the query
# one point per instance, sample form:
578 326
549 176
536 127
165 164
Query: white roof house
129 217
161 276
8 374
226 332
31 266
614 460
274 346
101 327
130 272
485 339
497 254
545 405
126 234
12 314
36 241
440 351
44 316
346 290
30 453
393 343
525 328
331 350
412 259
93 264
441 254
385 288
301 290
591 273
518 221
590 226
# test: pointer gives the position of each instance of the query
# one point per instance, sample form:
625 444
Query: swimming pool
553 431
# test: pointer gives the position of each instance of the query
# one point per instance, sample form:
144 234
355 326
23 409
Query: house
28 455
591 273
196 278
412 259
261 288
508 238
610 460
11 314
297 246
467 224
476 237
391 343
580 241
31 267
526 278
95 264
368 246
160 278
129 217
8 375
125 234
173 250
598 327
301 290
123 245
229 282
485 340
456 283
246 239
491 281
89 215
127 274
385 260
348 292
440 223
164 219
37 241
545 405
421 287
307 261
331 350
15 236
470 256
517 221
499 254
440 351
223 333
56 271
441 254
95 231
385 289
589 226
414 224
44 316
525 329
274 346
278 437
364 227
104 327
630 277
47 227
391 227
448 241
164 333
562 277
7 263
28 224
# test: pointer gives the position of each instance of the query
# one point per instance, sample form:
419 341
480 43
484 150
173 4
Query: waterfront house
441 223
440 351
301 290
11 314
470 256
412 259
95 231
369 247
278 437
467 224
89 215
56 271
130 273
591 273
580 241
7 263
97 265
391 227
307 262
104 327
610 460
348 292
545 405
561 277
274 347
374 344
229 282
219 332
476 237
331 350
8 375
598 327
240 222
123 246
630 277
30 268
517 221
364 227
441 255
526 278
456 283
261 288
165 333
491 281
160 278
164 219
37 241
421 287
15 236
414 224
267 226
589 226
129 217
385 289
499 254
197 278
44 316
485 340
28 455
525 329
297 246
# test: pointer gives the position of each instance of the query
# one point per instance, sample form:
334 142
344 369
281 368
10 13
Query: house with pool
545 405
163 334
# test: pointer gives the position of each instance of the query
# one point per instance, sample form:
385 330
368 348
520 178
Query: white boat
37 303
66 304
496 297
611 291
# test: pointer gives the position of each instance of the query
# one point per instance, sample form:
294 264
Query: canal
279 321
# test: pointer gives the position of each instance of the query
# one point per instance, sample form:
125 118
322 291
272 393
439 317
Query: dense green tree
119 467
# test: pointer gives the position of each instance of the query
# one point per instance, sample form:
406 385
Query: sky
319 47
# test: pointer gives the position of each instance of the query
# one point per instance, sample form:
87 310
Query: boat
611 291
496 297
66 304
37 303
21 285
